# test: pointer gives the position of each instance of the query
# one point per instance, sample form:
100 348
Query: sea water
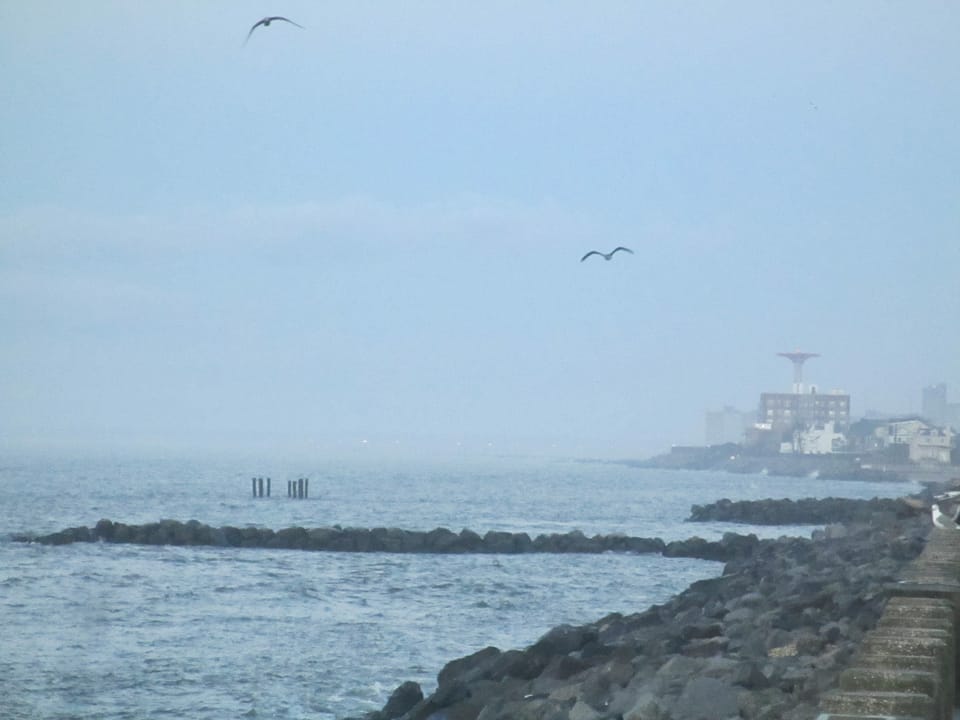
125 631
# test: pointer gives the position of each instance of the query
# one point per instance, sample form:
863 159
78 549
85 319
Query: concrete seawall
906 668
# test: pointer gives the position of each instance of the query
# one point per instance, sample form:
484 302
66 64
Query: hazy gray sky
370 229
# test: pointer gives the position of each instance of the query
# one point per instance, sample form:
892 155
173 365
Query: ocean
123 631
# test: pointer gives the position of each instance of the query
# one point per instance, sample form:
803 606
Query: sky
367 232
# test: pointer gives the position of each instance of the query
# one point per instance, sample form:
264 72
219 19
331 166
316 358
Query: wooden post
288 488
268 487
300 488
306 487
254 483
260 486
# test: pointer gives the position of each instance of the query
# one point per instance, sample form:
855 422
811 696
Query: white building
932 445
900 432
819 440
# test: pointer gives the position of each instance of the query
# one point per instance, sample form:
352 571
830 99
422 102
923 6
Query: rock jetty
392 540
762 641
808 511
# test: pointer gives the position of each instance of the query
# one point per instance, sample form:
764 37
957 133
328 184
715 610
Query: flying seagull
942 520
266 23
606 256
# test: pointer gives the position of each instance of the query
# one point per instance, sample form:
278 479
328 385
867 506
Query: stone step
900 704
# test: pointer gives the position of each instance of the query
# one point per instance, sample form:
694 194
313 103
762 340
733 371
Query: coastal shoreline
764 640
761 640
732 458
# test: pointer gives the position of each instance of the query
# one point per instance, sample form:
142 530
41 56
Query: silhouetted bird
266 23
606 256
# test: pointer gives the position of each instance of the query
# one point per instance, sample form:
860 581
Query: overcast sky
370 229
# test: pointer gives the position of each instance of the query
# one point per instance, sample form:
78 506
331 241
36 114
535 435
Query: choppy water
123 631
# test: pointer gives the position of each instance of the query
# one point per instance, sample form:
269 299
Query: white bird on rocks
942 520
606 256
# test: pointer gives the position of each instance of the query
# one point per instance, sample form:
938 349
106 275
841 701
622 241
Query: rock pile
392 540
808 511
762 641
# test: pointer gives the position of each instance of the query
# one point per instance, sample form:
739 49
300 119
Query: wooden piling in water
306 488
300 488
268 487
253 481
260 486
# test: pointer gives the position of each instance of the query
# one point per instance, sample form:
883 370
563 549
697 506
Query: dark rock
470 541
749 675
564 639
292 537
605 680
123 533
572 542
441 540
563 666
519 664
104 530
468 668
809 511
705 698
320 538
402 700
706 647
704 630
232 536
496 541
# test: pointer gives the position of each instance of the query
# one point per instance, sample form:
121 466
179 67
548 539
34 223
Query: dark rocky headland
763 640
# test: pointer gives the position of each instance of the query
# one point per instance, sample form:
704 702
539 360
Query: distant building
802 421
935 408
900 431
925 443
790 411
727 425
932 445
819 440
901 439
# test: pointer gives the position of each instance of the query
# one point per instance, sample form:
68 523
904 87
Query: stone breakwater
393 540
808 511
766 640
851 623
442 540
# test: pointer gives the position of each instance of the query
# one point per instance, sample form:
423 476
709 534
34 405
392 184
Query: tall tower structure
798 359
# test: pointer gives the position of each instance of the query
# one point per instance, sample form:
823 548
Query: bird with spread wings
606 256
266 23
